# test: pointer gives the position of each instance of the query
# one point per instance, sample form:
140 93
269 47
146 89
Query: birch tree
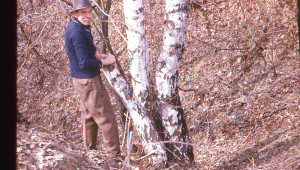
174 144
176 22
136 101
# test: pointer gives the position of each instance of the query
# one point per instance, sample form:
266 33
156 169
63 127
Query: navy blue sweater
81 50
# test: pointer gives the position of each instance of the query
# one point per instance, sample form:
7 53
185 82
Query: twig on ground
129 146
244 139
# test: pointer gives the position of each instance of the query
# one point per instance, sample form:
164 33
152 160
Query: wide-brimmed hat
81 4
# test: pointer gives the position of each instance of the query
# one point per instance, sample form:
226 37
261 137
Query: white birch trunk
138 50
176 22
137 101
139 70
144 126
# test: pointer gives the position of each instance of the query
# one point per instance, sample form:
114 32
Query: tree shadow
261 153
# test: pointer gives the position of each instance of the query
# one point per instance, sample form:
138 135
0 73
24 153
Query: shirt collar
84 26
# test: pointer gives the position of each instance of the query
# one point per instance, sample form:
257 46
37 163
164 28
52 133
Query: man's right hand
108 59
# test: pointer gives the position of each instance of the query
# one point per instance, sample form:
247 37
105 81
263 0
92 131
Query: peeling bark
139 69
176 22
138 50
142 123
136 99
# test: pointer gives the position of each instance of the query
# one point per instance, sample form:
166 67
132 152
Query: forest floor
264 147
238 82
272 144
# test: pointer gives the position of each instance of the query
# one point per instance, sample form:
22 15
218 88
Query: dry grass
239 78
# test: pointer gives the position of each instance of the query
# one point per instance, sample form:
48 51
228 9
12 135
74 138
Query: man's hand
106 59
100 56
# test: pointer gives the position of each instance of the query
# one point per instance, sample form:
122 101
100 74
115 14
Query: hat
81 4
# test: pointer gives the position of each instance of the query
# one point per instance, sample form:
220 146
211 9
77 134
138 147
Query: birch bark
136 101
138 50
139 70
142 123
176 22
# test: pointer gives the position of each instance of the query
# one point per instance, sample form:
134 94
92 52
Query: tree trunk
176 22
138 50
139 69
136 98
139 111
142 123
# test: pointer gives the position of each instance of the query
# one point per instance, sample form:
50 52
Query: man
85 65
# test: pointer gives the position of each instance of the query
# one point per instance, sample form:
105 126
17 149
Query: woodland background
239 84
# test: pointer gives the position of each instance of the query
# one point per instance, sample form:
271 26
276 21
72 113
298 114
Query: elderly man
85 65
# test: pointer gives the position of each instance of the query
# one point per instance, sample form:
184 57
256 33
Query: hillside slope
239 85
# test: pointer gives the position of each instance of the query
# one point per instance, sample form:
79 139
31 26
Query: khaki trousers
97 111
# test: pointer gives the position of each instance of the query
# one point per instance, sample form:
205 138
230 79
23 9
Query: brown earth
239 81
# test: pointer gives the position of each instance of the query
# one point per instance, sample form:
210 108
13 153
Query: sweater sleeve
80 46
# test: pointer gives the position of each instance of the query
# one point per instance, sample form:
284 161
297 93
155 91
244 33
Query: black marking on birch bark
146 99
180 8
187 151
138 13
177 46
128 97
179 49
114 81
184 150
110 68
169 24
161 65
142 25
140 10
156 116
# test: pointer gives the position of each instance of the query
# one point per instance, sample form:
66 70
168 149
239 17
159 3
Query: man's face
84 15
